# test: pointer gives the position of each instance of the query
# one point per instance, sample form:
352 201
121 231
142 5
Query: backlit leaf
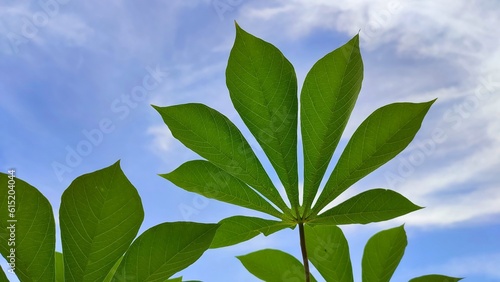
214 137
328 251
164 250
100 215
435 278
59 267
237 229
274 265
379 138
327 98
382 254
370 206
263 88
26 213
3 277
206 179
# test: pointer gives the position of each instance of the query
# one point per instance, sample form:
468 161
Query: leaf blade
435 278
329 252
59 267
92 203
237 229
327 98
34 229
204 178
164 250
214 137
3 277
382 254
378 139
374 205
263 88
274 265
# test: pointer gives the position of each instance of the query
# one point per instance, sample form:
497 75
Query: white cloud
163 141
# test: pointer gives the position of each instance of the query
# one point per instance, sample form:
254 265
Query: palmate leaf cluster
263 89
101 212
100 215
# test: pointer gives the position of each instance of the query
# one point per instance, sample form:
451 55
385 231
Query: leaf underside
327 98
374 205
263 88
204 178
382 254
435 278
100 215
274 265
214 137
237 229
34 230
164 250
328 251
379 138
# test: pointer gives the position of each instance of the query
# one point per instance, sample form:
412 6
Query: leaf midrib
336 189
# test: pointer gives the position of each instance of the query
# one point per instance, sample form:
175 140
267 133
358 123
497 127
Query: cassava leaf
237 229
28 214
206 179
328 251
379 138
214 137
59 267
274 265
263 88
112 272
3 277
164 250
100 215
435 278
382 254
327 98
370 206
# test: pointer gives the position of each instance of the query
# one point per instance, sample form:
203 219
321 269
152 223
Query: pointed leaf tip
374 205
263 88
383 253
378 139
328 96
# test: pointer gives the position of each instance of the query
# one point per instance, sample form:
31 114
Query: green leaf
32 224
328 251
328 96
370 206
435 278
3 277
237 229
100 215
178 279
379 138
206 179
274 265
164 250
59 267
263 88
112 272
214 137
382 254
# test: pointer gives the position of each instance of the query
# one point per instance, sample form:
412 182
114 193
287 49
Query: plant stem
304 252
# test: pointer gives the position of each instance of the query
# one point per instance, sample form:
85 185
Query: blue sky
71 68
